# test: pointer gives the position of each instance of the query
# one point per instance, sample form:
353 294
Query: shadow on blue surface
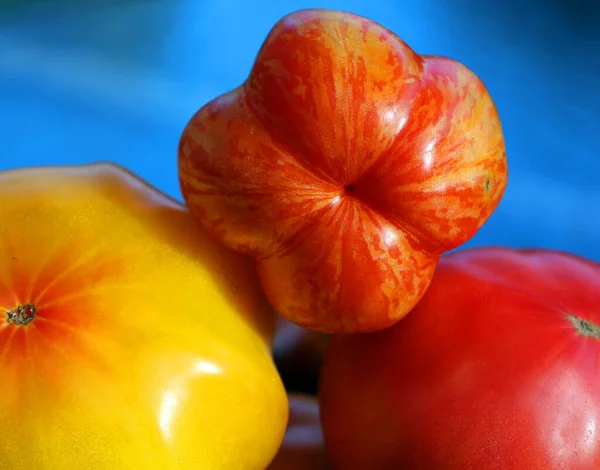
118 80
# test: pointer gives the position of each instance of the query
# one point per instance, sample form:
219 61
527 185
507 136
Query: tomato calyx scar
21 315
585 327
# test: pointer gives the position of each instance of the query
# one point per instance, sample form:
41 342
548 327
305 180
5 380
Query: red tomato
497 368
345 165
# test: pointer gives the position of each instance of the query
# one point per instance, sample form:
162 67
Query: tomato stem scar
21 315
584 327
488 184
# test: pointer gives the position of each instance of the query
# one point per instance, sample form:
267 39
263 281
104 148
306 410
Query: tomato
302 447
346 164
129 339
495 369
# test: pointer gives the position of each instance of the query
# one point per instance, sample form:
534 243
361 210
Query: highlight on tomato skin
345 165
496 368
129 338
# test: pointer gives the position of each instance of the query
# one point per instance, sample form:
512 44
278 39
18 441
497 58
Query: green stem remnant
22 315
585 327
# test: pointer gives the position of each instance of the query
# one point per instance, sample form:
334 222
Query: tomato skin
150 343
488 372
345 164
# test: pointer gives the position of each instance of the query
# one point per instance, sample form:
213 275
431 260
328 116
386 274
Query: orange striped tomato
346 164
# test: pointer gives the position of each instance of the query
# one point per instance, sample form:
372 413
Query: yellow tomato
129 340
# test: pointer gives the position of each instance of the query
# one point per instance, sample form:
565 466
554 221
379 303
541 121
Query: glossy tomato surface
346 164
128 338
495 369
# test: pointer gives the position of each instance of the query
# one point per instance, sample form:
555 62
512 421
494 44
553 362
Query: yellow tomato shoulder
150 343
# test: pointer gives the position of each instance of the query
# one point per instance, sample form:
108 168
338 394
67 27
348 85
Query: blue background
91 80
